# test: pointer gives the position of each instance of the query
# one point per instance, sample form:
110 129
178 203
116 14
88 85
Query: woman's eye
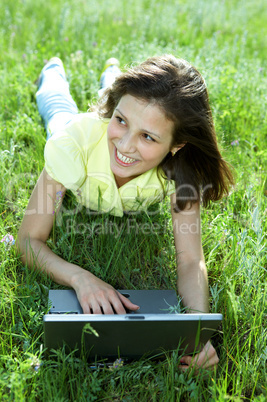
148 137
120 120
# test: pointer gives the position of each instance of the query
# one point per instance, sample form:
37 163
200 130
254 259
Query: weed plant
226 41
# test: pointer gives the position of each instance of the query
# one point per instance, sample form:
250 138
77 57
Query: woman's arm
192 281
94 295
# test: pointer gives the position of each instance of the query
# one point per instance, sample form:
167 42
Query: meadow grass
226 41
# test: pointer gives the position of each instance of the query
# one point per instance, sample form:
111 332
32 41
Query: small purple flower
8 240
59 195
117 364
36 368
35 363
235 143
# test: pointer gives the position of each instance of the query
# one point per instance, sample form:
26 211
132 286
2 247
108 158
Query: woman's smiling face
139 138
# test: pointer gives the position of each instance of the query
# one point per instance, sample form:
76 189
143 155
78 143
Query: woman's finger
95 308
127 303
206 359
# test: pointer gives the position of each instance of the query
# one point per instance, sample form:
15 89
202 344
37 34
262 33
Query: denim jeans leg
54 101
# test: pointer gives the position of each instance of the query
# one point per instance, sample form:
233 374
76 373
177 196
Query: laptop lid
128 336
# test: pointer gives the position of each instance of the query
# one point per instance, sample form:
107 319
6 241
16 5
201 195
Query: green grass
226 41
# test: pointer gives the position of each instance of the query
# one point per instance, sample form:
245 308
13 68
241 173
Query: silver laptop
153 330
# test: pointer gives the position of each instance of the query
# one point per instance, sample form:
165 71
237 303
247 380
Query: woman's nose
127 143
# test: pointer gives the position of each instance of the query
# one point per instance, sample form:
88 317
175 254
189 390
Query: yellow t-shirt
78 158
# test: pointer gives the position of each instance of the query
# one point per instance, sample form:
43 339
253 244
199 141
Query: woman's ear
176 149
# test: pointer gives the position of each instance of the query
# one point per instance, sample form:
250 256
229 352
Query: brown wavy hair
198 169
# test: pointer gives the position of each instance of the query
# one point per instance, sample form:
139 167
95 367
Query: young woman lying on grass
151 135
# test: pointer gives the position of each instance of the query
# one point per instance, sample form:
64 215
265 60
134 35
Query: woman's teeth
124 159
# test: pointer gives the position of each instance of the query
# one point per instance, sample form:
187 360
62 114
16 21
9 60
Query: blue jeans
54 101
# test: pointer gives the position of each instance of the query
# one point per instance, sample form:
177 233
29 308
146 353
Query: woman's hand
97 297
206 359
